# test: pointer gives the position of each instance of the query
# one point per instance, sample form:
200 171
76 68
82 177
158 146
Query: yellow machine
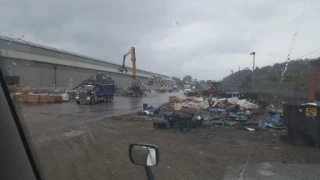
162 88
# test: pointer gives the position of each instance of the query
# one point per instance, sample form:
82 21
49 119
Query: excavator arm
133 59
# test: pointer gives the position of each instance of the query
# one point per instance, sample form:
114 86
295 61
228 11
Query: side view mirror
144 154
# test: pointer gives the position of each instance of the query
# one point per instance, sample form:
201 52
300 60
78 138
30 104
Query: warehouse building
26 63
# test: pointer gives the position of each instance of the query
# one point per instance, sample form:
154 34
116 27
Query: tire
92 101
167 126
78 102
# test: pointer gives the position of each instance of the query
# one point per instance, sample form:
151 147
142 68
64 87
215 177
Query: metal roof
18 40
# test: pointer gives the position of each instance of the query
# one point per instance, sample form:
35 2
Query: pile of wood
27 95
20 95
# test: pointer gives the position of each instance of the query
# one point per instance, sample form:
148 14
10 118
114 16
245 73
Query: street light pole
253 54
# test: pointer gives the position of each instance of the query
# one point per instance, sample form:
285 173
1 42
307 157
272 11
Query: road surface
44 118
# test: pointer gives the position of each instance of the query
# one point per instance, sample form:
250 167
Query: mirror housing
144 154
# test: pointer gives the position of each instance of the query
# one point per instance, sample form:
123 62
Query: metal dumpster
302 120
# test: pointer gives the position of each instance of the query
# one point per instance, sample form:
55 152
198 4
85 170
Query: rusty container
59 98
44 98
52 98
33 98
24 98
314 81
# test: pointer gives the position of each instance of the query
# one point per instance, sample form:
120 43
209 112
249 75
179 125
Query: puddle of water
267 164
72 133
266 173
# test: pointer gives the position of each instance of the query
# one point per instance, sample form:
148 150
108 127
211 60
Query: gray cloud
212 38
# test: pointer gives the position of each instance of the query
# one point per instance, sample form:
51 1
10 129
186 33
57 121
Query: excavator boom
133 59
135 84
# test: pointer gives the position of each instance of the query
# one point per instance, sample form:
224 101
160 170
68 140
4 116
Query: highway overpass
44 67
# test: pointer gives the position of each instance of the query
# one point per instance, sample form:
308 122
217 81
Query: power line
307 54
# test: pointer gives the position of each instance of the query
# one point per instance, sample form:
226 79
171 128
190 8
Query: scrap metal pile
121 91
200 86
100 78
154 83
212 112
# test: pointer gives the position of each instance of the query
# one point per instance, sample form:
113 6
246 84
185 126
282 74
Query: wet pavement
80 142
269 171
44 118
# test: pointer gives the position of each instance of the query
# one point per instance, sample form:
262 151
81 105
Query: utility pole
253 54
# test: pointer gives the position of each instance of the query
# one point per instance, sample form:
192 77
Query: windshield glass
88 87
224 89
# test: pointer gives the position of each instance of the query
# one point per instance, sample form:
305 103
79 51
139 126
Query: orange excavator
133 59
135 84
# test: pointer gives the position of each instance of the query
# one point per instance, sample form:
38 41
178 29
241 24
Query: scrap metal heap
100 78
121 91
200 86
212 112
154 83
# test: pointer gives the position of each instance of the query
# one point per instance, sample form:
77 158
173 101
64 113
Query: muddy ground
99 150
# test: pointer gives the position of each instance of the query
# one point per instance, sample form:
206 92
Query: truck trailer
92 92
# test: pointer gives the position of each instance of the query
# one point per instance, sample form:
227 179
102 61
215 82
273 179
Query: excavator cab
135 88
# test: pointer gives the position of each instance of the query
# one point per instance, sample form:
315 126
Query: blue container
167 113
213 110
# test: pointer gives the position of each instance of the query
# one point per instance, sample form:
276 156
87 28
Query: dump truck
92 92
186 89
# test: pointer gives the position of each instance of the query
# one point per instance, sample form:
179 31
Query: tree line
296 73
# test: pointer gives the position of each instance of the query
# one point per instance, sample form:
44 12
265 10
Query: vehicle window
88 87
209 89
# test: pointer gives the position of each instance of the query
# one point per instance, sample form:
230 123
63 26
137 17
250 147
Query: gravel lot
99 150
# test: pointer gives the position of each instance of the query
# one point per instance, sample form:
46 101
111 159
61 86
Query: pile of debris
30 95
121 91
100 78
154 83
212 112
189 104
14 89
200 86
50 91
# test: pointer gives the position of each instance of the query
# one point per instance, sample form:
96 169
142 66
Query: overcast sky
202 38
